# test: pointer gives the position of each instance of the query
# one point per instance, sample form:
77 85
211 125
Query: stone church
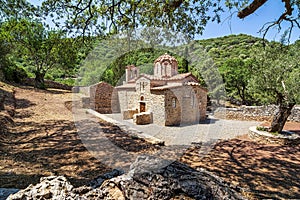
165 98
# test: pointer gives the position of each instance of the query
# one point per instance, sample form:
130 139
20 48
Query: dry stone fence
255 113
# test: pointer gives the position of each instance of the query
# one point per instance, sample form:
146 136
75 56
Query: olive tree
276 80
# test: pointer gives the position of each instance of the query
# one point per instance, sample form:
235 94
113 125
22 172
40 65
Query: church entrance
142 107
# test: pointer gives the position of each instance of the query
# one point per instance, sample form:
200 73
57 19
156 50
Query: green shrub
66 81
262 128
15 74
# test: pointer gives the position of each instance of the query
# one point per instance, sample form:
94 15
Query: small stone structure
103 98
128 114
172 98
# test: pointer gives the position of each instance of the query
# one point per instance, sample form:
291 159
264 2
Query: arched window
174 102
142 98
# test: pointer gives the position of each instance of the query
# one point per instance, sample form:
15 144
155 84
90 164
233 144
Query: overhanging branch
251 8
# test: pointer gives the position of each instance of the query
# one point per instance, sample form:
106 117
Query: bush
66 81
15 74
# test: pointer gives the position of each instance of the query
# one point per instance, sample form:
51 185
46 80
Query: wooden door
142 107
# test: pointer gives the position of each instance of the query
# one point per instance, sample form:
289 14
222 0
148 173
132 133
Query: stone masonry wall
103 98
255 112
173 114
202 102
190 105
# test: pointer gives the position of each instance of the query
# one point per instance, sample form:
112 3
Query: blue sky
251 25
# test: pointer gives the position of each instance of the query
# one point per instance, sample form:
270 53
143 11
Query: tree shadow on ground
266 171
46 91
50 148
55 148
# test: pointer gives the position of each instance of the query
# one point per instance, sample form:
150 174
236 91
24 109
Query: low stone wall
48 84
261 113
268 138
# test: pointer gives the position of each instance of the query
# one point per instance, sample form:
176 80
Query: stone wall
104 98
268 138
172 108
190 99
156 105
48 84
142 118
128 114
190 105
262 113
202 102
127 100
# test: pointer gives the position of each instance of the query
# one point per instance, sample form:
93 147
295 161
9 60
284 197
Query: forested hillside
102 58
234 57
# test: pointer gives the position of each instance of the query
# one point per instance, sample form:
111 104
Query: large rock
142 118
148 178
51 187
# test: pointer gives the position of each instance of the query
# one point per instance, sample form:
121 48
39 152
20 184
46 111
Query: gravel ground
210 130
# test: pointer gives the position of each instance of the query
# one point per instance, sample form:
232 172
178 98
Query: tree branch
251 8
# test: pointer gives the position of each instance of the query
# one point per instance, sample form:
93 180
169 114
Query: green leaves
41 49
237 73
277 73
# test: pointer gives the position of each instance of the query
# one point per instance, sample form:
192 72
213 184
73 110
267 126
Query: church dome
165 57
165 66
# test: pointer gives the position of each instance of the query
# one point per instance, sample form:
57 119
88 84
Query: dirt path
43 141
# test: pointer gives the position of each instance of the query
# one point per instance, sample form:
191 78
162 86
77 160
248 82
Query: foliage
277 74
13 73
189 17
277 77
17 9
236 73
40 48
113 70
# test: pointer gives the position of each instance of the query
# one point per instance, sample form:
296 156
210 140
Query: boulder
52 187
148 178
142 118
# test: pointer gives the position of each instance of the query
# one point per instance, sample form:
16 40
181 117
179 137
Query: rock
51 187
100 179
142 118
148 178
5 192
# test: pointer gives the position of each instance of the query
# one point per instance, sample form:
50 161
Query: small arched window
193 100
174 102
142 98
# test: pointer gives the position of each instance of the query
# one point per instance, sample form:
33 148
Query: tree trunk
280 117
39 80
